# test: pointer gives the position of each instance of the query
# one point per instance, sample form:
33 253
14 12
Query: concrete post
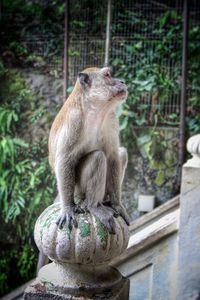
189 233
80 258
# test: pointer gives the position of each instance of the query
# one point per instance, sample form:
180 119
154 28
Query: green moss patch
84 227
102 232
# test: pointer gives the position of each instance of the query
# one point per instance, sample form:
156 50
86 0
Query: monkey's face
100 87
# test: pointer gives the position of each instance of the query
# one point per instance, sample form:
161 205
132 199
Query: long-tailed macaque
84 149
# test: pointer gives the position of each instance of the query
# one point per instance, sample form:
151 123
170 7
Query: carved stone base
78 282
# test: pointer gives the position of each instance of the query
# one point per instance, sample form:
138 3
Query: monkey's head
99 86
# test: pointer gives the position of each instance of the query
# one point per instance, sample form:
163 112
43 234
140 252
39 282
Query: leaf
160 178
38 197
144 139
20 142
140 121
156 164
124 123
174 14
138 45
164 18
117 62
149 87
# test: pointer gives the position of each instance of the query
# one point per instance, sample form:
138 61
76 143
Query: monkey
84 149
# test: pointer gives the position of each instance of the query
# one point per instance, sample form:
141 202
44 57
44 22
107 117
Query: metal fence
139 24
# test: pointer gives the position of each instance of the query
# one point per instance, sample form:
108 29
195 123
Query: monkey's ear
84 79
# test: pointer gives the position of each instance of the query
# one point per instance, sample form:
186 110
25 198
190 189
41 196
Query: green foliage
43 21
4 267
20 260
31 19
26 182
18 48
26 261
151 82
148 78
158 155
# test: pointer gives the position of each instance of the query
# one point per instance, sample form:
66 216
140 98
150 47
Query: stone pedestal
80 258
188 284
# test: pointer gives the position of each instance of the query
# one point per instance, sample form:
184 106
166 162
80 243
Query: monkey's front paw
120 211
109 223
105 216
79 210
67 216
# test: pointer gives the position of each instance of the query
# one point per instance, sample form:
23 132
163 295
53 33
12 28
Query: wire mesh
87 36
140 23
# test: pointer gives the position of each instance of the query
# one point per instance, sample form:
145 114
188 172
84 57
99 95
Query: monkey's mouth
122 93
121 88
119 91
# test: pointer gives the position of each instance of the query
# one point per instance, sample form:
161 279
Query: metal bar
66 46
0 10
182 142
108 23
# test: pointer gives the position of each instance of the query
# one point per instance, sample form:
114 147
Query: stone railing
188 273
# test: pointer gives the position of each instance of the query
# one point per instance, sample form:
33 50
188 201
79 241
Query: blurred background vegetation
146 51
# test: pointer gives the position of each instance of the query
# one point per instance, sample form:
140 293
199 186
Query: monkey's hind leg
92 183
117 205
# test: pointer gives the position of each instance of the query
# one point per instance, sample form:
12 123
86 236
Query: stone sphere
193 145
90 243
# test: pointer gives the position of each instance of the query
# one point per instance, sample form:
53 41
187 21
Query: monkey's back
61 120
